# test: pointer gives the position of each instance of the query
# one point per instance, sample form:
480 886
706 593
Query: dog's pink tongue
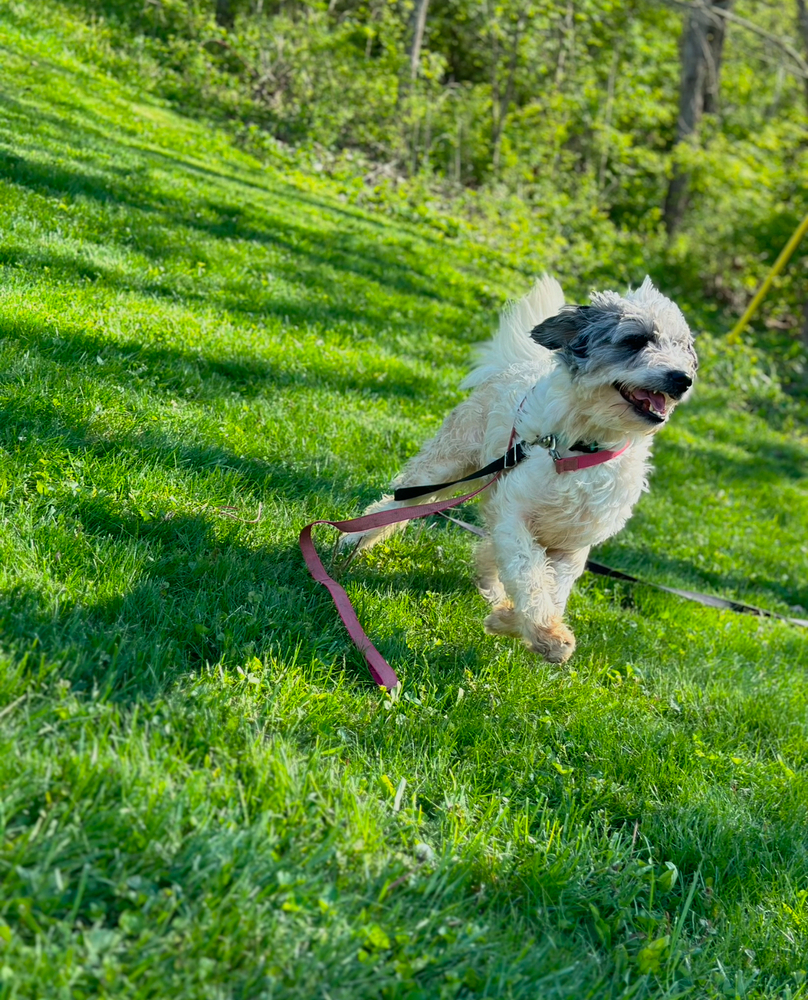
656 399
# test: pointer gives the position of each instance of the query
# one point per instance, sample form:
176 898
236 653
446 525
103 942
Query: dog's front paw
503 621
551 640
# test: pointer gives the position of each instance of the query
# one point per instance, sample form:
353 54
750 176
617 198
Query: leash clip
550 442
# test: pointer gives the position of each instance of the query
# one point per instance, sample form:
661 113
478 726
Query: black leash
512 457
709 600
693 595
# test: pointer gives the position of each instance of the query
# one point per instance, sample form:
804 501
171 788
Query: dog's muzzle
652 403
676 384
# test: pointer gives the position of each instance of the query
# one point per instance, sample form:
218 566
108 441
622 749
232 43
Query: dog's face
631 358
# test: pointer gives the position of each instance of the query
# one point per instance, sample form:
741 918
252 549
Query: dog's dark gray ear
562 330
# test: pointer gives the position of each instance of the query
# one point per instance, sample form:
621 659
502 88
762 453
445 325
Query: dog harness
515 453
380 670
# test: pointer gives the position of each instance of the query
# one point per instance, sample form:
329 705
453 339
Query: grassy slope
199 786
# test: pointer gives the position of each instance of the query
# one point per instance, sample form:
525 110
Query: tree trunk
501 103
225 15
418 28
566 41
716 33
802 25
702 51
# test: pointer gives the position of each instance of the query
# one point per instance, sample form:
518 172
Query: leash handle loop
380 670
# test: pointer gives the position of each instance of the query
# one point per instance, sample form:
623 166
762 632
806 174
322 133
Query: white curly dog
572 381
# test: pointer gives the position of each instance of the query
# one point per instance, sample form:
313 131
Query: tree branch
800 64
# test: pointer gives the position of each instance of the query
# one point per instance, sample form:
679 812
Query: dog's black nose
677 383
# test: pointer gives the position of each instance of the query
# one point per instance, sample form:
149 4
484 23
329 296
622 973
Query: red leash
576 462
380 669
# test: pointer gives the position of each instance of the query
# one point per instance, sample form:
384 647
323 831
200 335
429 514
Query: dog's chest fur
578 509
568 510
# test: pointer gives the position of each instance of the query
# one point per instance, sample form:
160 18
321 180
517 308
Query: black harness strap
511 457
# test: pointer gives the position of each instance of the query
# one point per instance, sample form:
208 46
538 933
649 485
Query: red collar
576 462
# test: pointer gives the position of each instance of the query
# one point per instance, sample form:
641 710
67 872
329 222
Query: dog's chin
651 408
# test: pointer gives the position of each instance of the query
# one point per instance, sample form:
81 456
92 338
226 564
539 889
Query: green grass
203 796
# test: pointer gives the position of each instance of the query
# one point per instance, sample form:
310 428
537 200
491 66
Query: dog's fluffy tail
511 344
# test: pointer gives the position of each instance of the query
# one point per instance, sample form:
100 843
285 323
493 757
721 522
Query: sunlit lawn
203 795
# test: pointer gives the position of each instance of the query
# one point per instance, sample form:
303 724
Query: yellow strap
735 335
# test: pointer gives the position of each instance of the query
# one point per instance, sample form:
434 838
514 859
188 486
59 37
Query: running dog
594 382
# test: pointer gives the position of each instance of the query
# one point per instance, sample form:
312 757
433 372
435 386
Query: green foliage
539 125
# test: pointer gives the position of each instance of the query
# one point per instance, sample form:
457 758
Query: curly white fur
609 373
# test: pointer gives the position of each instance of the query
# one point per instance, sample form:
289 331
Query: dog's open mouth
651 405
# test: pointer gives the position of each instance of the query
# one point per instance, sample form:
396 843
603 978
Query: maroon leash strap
380 669
576 462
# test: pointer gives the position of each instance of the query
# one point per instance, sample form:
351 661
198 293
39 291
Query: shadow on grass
758 459
172 370
100 128
200 593
316 249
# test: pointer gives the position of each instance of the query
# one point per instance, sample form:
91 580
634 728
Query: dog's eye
636 342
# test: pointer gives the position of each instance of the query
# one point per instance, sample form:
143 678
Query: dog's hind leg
529 577
503 619
455 451
568 567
